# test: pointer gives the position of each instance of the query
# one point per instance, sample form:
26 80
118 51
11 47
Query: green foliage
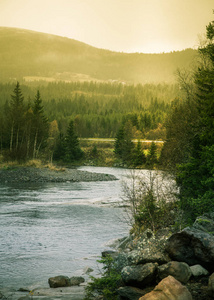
192 137
24 129
67 149
124 144
99 109
107 285
152 157
196 181
72 148
138 156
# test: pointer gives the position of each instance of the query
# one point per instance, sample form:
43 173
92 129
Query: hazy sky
148 26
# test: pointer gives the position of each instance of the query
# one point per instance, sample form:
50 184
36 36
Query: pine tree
16 120
196 176
72 148
138 156
152 157
40 125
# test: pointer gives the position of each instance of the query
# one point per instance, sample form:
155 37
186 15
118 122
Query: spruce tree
40 125
72 148
195 177
16 121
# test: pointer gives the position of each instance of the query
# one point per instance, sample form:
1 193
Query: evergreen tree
72 148
195 177
152 157
118 144
16 121
40 125
123 143
138 156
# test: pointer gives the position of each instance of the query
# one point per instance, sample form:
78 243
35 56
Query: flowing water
55 229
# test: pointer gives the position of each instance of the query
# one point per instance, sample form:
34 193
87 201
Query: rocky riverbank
178 266
40 175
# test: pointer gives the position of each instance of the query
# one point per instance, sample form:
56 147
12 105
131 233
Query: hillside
33 56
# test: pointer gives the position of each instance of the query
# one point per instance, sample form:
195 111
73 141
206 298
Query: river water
55 229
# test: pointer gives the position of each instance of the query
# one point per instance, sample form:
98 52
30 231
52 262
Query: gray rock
87 270
179 270
59 281
140 275
130 293
198 270
76 280
110 253
121 261
146 255
205 223
168 288
192 246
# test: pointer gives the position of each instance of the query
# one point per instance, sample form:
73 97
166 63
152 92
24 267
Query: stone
147 254
59 281
76 280
211 285
198 270
130 293
179 270
205 223
168 288
140 275
87 270
192 246
110 253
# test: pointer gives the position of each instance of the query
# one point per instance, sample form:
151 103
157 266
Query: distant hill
34 56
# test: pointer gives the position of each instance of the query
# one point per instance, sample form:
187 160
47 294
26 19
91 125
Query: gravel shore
30 174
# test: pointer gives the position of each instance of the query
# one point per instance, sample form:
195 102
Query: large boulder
140 275
192 246
59 281
145 249
179 270
168 288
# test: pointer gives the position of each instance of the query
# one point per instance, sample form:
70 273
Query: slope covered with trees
33 56
190 134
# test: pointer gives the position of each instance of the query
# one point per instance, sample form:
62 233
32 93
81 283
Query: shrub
107 284
150 202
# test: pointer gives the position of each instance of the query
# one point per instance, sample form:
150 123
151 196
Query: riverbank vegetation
188 153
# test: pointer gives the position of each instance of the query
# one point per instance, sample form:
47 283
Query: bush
150 202
107 284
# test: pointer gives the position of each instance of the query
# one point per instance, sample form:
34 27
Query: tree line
98 109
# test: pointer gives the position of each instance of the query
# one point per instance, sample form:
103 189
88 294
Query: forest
98 109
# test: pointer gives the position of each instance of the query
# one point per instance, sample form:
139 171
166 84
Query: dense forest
33 56
98 109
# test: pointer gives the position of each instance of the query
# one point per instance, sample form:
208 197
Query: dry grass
54 168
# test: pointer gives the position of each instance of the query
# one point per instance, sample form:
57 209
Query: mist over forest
31 56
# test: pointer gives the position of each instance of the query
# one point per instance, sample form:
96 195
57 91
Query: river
57 228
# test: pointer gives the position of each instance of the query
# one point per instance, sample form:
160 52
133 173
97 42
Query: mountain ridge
30 54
